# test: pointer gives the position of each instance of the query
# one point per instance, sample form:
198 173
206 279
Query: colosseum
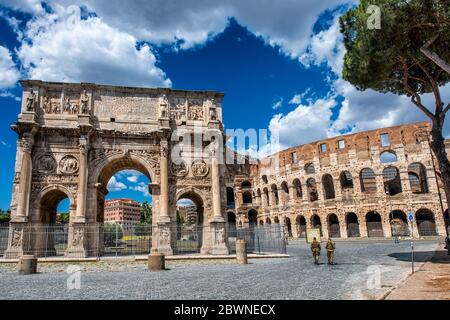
356 185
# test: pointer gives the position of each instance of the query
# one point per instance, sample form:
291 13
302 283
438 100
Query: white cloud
142 189
361 110
29 6
298 98
114 185
277 104
286 24
9 75
326 47
304 124
133 179
59 47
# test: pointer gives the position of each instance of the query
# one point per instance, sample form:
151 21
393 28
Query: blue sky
278 63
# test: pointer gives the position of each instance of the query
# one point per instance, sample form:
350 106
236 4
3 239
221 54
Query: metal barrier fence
262 239
115 240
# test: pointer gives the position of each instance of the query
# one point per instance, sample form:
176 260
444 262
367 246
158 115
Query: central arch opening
124 208
190 220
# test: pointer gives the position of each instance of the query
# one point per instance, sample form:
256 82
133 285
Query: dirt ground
430 282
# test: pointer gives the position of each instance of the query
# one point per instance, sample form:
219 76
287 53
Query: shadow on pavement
419 256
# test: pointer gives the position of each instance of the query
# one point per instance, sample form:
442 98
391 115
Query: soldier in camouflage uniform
330 251
315 249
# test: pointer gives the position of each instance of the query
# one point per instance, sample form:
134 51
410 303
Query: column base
219 243
164 235
77 241
17 239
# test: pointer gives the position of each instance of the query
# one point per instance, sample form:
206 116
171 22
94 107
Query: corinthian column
215 188
164 233
82 181
23 203
164 186
217 223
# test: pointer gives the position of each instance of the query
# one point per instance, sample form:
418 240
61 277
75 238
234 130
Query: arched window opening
268 221
392 183
301 226
426 224
316 223
264 179
246 185
374 224
399 224
312 190
346 180
266 196
417 175
368 182
275 194
285 191
328 186
252 216
352 225
388 157
247 198
288 227
334 230
298 188
309 168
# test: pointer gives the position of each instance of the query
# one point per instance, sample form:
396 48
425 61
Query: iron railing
116 240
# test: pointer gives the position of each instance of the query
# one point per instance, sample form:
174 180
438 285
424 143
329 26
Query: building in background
125 212
188 213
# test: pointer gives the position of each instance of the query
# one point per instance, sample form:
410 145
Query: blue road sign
411 216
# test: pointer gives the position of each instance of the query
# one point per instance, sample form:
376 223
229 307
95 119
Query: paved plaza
353 277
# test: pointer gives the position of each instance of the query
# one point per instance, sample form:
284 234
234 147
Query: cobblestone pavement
353 277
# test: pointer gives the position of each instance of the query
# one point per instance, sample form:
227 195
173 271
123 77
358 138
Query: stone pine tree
403 47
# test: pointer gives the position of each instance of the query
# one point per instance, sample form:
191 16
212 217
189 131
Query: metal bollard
27 264
156 262
241 251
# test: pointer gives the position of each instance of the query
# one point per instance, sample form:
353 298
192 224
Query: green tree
396 58
180 219
5 216
63 217
146 213
112 234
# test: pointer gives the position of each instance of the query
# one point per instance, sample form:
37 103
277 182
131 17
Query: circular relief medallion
46 163
199 168
68 164
180 169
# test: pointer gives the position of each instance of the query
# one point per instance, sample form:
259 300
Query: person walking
330 251
315 249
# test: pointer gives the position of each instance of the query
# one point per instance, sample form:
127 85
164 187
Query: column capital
27 142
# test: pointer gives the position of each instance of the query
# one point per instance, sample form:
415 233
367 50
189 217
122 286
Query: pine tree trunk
438 147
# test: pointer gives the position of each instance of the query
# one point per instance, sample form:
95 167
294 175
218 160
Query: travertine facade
74 137
362 184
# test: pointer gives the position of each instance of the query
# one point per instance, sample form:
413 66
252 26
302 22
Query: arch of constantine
72 138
